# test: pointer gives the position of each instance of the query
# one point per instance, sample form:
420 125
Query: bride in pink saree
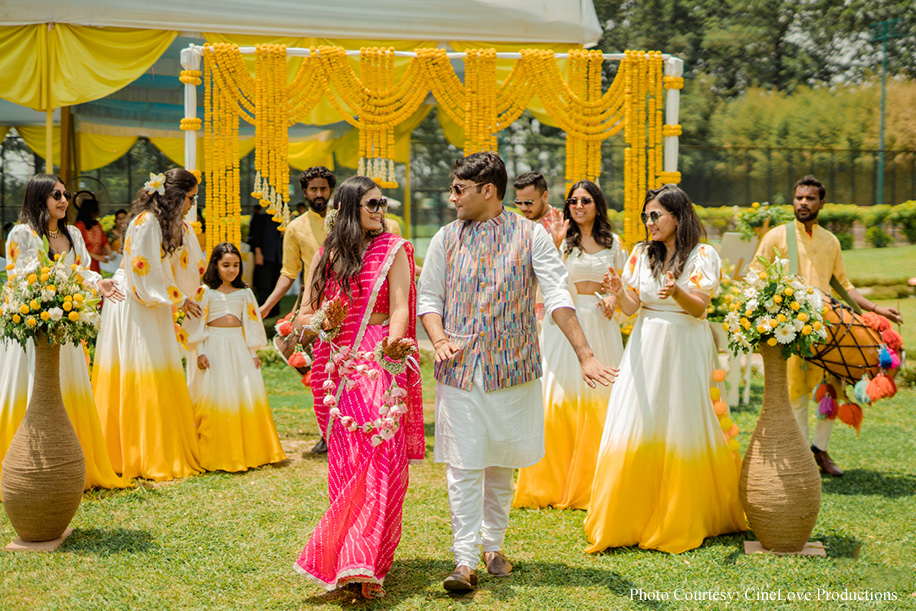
371 401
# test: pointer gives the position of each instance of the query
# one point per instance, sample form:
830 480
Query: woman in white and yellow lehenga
44 214
665 478
150 427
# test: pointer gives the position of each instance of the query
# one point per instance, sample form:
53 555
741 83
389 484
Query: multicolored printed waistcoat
490 302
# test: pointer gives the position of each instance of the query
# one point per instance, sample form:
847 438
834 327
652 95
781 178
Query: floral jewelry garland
333 310
155 184
351 365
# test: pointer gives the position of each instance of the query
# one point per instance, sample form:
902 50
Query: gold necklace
54 234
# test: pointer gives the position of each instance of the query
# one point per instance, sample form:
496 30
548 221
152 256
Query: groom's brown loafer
463 579
497 564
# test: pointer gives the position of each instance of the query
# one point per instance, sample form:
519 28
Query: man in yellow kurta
819 259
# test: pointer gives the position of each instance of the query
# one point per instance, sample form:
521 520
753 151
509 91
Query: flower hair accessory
155 184
329 219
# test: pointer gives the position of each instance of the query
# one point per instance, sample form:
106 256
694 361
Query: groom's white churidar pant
482 437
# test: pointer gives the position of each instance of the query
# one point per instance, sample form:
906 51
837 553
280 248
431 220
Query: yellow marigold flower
17 318
68 297
46 270
773 323
761 329
762 275
725 326
32 279
795 305
777 298
45 315
34 304
57 256
806 330
817 325
755 205
772 341
24 309
789 292
51 287
73 266
68 305
74 315
749 313
745 323
31 322
803 317
78 298
781 318
44 277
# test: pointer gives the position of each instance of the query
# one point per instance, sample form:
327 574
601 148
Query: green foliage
846 240
760 215
903 217
721 218
877 237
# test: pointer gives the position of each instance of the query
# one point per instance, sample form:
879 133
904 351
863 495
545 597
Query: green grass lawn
880 265
222 541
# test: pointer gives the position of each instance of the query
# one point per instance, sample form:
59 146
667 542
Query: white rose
47 295
56 314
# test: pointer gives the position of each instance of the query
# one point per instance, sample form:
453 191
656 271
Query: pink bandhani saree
355 540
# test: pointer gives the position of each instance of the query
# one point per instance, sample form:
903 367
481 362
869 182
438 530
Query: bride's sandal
373 590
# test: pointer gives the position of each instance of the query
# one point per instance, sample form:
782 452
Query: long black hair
601 231
86 213
688 232
168 209
343 247
211 276
34 211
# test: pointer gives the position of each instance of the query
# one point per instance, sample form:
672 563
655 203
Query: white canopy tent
572 21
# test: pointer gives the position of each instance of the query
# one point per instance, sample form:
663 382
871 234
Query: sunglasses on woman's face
376 205
56 194
652 216
572 202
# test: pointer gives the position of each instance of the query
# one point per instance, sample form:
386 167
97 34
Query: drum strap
792 251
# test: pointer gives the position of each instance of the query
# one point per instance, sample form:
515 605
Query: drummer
819 259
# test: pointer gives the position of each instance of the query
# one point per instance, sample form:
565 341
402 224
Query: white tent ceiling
572 21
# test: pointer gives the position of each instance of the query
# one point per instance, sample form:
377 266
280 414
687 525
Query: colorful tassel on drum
881 387
860 390
895 359
826 408
893 339
884 358
876 321
850 414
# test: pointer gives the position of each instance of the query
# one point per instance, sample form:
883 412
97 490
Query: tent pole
673 67
407 228
49 141
190 60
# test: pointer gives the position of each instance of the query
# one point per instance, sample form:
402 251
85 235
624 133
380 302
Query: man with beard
819 260
301 240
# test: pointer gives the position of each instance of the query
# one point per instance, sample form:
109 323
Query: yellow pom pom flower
45 315
74 315
777 298
68 305
789 292
32 279
31 322
772 341
806 330
17 318
24 309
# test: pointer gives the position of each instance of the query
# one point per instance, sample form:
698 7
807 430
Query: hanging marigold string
271 128
373 103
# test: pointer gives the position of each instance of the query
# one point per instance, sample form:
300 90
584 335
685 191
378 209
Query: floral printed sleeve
702 270
22 249
187 261
196 328
147 273
630 274
252 325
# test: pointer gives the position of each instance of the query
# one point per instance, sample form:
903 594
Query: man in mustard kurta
819 259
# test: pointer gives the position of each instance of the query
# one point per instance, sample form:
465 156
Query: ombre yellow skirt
17 367
150 427
665 477
235 428
574 414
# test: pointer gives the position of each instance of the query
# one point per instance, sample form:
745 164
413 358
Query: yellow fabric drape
347 147
45 66
95 150
305 154
454 133
3 130
173 148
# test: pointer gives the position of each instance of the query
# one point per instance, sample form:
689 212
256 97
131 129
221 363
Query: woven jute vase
780 485
44 470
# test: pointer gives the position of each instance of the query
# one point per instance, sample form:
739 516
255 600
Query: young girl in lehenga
665 476
234 425
371 271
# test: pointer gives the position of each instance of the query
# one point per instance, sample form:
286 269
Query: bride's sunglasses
56 194
376 205
652 216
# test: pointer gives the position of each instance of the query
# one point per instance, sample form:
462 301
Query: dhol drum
852 347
